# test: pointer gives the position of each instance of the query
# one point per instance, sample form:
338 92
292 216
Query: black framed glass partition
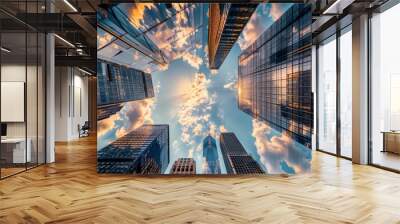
384 114
22 77
334 91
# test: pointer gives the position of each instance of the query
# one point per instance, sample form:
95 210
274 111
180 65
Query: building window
346 92
385 89
327 128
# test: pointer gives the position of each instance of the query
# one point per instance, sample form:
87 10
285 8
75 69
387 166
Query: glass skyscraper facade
225 25
236 159
118 84
122 40
210 155
106 111
144 150
275 82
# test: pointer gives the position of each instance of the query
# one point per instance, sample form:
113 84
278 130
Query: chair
84 130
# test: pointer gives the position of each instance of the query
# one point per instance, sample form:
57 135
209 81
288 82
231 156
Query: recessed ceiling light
5 50
70 5
64 40
338 6
86 72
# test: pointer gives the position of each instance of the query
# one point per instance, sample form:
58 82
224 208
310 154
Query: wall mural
204 88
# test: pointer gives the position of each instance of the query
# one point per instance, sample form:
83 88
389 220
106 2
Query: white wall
12 73
17 73
33 126
71 94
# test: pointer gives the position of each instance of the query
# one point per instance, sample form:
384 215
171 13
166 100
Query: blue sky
196 101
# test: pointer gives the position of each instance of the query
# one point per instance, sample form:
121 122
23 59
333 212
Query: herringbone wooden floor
70 191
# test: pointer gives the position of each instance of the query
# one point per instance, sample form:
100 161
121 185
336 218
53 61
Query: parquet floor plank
70 191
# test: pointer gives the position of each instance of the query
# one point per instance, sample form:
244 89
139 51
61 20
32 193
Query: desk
13 150
391 141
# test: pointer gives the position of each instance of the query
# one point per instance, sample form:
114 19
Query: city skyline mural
190 89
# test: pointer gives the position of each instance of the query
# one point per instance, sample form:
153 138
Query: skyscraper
144 150
108 110
118 84
184 166
236 159
210 155
123 41
274 82
225 24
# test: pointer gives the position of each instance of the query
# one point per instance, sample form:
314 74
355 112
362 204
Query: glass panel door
13 94
22 77
41 109
31 99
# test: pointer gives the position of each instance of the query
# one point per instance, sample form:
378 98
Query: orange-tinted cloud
222 129
276 11
106 125
137 12
104 39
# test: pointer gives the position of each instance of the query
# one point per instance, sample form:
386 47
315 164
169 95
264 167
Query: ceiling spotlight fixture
337 7
64 40
79 51
70 5
5 50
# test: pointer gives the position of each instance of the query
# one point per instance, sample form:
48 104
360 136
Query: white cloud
132 115
257 23
178 41
192 59
194 113
250 33
278 149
